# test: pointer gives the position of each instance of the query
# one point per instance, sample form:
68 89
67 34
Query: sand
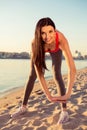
43 114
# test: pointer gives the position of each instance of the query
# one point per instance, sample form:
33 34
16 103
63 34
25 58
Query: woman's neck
50 46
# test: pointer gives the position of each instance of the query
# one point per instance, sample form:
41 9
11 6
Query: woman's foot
22 110
64 117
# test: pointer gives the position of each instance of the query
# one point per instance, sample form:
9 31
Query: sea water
14 73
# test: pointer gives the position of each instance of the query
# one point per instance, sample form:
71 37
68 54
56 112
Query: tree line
26 55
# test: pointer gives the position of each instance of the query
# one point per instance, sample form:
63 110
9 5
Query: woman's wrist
49 97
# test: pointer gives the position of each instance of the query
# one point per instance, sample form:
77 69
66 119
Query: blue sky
19 17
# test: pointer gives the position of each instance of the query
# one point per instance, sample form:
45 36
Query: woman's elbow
73 70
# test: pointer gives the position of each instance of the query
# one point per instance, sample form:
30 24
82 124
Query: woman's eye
42 33
50 31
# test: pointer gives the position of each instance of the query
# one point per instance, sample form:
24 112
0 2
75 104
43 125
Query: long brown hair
38 49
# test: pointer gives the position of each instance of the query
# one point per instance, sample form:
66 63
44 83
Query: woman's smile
48 34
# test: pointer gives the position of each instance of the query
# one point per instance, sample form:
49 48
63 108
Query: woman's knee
57 75
32 76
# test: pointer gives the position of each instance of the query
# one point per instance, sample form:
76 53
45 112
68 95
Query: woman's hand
62 99
56 99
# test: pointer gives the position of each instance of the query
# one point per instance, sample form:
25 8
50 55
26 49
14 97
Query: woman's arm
40 76
64 46
43 83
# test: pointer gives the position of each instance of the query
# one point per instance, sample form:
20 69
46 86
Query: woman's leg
30 84
29 87
56 66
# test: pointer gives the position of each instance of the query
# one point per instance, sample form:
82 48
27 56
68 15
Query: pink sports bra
57 45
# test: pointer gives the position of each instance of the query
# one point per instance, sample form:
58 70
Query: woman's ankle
64 109
24 106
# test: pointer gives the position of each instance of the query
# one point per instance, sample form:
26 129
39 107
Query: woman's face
48 34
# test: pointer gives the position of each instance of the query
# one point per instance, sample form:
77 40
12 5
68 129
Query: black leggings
56 66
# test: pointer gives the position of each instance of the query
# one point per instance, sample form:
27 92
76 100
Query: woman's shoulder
33 43
60 35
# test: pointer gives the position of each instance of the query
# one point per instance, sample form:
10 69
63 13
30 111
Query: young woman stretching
48 39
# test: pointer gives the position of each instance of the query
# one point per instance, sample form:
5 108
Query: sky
18 19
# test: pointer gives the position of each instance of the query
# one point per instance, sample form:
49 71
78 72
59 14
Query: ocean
14 72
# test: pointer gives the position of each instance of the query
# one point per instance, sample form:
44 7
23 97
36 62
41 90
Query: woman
48 39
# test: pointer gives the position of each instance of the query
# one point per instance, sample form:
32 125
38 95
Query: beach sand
43 114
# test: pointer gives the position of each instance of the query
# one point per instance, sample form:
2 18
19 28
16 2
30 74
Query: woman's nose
47 35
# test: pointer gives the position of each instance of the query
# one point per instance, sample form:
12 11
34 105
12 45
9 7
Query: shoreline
9 91
15 89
